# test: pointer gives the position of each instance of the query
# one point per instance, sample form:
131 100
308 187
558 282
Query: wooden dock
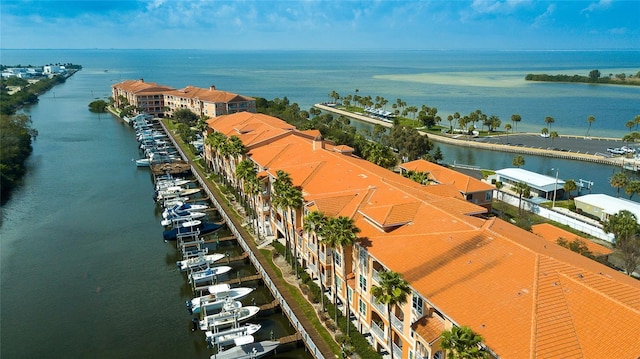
270 306
293 338
218 240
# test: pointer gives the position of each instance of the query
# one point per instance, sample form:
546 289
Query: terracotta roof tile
553 233
429 328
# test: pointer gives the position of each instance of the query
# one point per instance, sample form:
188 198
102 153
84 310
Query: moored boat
207 275
199 261
228 336
190 227
228 318
215 301
248 351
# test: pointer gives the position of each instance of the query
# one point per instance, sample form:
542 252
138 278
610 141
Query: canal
85 271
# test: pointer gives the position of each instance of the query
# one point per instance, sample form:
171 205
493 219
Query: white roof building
540 184
603 206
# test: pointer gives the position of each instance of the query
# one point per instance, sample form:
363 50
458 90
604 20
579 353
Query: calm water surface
84 270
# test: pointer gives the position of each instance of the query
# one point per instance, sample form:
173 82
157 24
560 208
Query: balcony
312 247
397 352
378 332
375 276
397 323
323 257
381 308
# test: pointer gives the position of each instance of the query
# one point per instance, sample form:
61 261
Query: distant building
207 102
603 206
541 185
161 101
53 69
146 97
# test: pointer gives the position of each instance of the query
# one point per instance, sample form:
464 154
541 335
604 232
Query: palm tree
553 135
518 161
340 232
549 120
217 141
632 188
393 290
591 119
570 186
314 223
281 186
624 226
523 190
515 118
618 180
462 343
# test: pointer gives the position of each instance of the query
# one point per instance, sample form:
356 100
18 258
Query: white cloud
596 6
544 18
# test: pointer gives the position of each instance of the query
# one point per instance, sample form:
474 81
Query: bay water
84 270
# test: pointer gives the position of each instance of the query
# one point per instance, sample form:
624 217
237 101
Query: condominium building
527 297
207 102
161 101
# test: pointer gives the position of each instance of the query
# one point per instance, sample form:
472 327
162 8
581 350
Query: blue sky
309 24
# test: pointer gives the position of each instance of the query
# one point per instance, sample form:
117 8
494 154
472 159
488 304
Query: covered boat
228 318
190 227
228 336
199 261
214 301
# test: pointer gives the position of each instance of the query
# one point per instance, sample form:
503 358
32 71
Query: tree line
16 136
594 77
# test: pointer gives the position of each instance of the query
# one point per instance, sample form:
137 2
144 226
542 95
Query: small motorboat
230 335
248 350
207 275
175 191
228 318
176 218
199 261
180 207
190 227
215 301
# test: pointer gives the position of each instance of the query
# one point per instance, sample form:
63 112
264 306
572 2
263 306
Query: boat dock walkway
278 287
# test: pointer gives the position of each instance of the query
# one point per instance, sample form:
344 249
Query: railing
397 351
323 256
377 331
397 323
312 247
375 275
380 307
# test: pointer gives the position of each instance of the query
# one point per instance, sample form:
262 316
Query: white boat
230 335
162 184
207 275
189 216
215 301
181 206
199 261
228 318
248 351
175 191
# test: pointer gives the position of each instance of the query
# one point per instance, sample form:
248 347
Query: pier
314 343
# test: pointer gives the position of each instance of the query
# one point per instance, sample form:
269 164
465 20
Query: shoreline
628 163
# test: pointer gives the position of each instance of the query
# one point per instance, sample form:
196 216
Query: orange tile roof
207 94
553 233
506 283
429 328
444 175
139 86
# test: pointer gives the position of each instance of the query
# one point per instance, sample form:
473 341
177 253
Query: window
362 307
487 196
364 258
438 355
337 259
417 304
363 283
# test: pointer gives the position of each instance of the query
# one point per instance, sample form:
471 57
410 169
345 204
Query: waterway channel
85 272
